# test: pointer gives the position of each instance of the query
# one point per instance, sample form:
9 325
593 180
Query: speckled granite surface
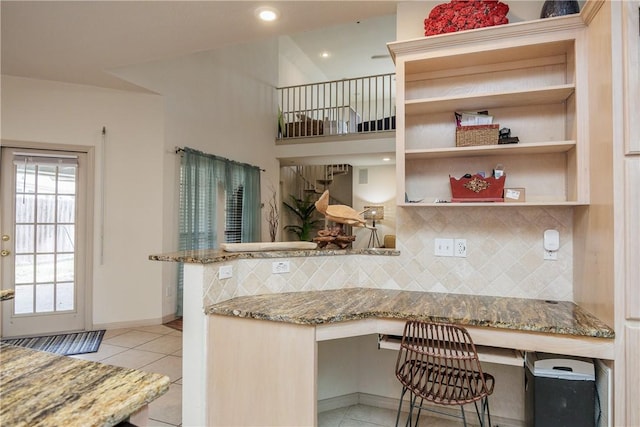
319 307
45 389
208 256
6 294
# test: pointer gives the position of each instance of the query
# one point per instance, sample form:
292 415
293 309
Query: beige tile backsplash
504 258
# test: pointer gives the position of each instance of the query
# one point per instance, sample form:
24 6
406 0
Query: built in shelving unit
529 76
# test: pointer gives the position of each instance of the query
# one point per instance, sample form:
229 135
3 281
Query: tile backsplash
504 258
504 250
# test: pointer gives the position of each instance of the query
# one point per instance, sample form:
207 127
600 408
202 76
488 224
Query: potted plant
304 209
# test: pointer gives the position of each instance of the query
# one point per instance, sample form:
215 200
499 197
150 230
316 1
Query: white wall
380 189
295 67
126 286
221 102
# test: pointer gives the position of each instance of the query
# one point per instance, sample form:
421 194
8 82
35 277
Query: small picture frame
514 195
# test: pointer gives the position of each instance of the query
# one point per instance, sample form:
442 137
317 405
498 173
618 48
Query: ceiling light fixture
267 14
386 159
325 54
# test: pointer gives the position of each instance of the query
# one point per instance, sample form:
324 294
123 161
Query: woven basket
467 136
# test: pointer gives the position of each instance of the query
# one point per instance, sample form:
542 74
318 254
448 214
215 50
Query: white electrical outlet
279 267
460 248
225 272
443 247
550 255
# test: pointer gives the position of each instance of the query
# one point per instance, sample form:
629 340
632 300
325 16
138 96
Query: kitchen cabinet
529 76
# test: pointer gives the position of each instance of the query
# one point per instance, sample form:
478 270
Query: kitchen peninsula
46 389
257 338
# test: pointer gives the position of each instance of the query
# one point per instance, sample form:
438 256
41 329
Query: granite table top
208 256
330 306
46 389
6 294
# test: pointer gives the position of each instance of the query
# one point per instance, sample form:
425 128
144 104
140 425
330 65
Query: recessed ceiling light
325 54
386 159
267 14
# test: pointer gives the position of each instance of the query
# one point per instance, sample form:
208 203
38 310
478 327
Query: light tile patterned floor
159 349
153 349
369 416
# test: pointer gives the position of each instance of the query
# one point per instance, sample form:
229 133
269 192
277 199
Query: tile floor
369 416
159 349
154 349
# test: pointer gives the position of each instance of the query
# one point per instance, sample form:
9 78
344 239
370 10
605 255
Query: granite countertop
46 389
208 256
6 294
329 306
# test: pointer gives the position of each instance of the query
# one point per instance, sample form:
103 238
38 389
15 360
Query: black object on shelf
552 8
504 137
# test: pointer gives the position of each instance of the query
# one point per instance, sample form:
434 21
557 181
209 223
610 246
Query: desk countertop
46 389
330 306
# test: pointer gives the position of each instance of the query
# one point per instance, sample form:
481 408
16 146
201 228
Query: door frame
90 212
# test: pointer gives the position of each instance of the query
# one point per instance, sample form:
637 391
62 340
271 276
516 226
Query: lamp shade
375 213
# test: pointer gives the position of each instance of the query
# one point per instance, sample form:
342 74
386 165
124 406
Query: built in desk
264 346
260 351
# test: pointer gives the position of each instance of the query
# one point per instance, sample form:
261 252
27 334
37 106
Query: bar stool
439 363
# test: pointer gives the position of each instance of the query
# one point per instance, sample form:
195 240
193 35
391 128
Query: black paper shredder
559 391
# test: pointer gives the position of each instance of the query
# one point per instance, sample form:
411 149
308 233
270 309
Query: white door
43 196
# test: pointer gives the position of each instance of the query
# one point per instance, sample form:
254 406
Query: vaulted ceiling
80 41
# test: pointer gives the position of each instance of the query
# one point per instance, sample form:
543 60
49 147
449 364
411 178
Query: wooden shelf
542 96
491 150
530 85
493 204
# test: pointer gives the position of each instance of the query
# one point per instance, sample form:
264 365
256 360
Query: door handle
5 252
5 238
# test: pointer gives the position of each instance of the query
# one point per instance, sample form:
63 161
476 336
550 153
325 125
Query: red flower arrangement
461 15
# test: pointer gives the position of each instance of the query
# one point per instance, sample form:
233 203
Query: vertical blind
202 177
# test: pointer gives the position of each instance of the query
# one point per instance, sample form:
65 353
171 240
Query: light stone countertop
208 256
46 389
6 294
340 305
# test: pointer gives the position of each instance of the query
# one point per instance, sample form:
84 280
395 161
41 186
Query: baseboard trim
392 403
130 324
338 402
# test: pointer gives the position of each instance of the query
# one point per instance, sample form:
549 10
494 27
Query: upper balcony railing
349 106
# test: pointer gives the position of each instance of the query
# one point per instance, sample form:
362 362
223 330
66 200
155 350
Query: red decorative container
459 15
477 189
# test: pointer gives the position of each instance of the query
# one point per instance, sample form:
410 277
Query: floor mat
175 324
65 344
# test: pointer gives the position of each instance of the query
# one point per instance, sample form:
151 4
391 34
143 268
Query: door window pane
66 209
24 238
46 179
46 208
65 242
44 298
25 208
65 267
67 180
23 300
44 268
25 178
24 269
45 238
65 296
